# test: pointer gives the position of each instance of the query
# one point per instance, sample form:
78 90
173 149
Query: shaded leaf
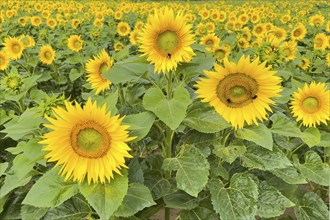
32 213
231 152
140 124
180 200
311 207
260 135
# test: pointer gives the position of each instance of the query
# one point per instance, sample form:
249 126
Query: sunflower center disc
47 55
209 42
90 140
237 90
77 44
296 33
318 42
286 52
311 104
167 41
16 48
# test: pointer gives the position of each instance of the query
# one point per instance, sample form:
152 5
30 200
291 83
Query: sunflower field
183 110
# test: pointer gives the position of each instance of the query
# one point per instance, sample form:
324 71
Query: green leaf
314 169
32 213
325 139
32 61
106 198
121 54
311 136
130 69
53 190
171 112
203 118
12 182
197 65
24 124
192 169
231 152
271 202
140 124
159 186
135 172
75 208
74 74
197 213
110 100
238 201
284 126
311 207
260 135
137 198
3 168
32 153
289 175
260 158
180 200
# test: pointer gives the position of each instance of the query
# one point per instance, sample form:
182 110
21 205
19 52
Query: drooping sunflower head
14 47
86 142
123 29
311 104
95 68
166 40
75 43
46 54
12 83
4 60
240 92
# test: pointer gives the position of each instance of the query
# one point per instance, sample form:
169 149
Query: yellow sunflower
210 41
133 37
240 92
75 43
123 29
14 47
279 33
27 41
4 60
51 22
259 30
316 20
320 41
36 21
166 40
86 142
95 68
222 16
288 50
311 104
46 54
305 63
220 52
118 46
299 32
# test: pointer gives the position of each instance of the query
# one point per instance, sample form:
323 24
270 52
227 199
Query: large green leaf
260 158
311 136
271 202
171 112
130 69
106 198
140 124
24 124
137 198
203 118
229 153
311 207
23 163
192 169
284 126
197 213
238 201
75 208
180 200
289 175
260 135
3 167
12 182
314 169
32 213
50 190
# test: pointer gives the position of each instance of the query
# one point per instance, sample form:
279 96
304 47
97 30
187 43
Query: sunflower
279 33
12 83
14 47
51 22
220 52
4 60
259 30
46 54
240 92
75 43
316 20
210 40
288 50
36 21
22 21
95 68
133 37
243 18
123 29
118 46
320 41
255 18
139 25
311 104
204 13
118 15
166 40
299 32
86 142
210 27
305 63
27 41
222 16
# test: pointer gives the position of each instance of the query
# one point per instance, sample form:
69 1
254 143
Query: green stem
21 105
297 148
121 94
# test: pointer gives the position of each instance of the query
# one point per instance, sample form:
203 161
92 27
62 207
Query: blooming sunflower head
133 37
4 60
46 54
86 142
14 47
95 68
123 29
210 41
320 41
75 43
299 32
311 104
27 41
240 92
166 40
288 50
118 46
